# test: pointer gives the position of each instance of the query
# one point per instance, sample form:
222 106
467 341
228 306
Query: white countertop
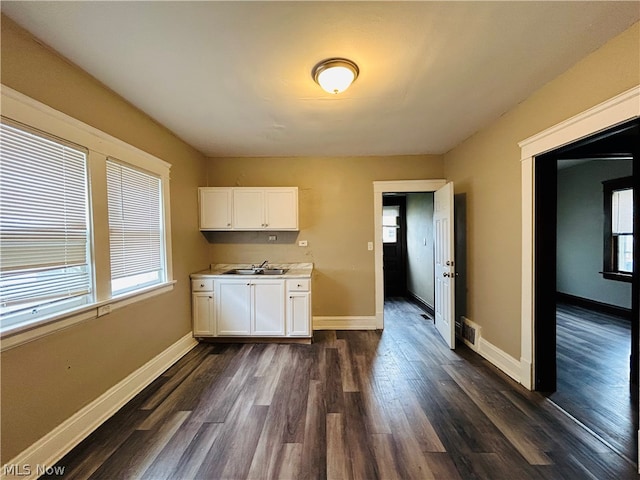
294 270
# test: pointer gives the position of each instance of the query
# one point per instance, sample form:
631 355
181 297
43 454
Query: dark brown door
394 245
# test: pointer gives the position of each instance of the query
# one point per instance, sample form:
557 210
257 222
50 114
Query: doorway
394 244
585 283
381 188
408 248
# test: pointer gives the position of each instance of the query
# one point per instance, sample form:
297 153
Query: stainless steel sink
274 271
256 271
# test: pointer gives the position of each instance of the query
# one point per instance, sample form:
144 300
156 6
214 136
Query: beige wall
46 381
336 218
487 168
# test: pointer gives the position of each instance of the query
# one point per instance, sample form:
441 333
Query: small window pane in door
390 216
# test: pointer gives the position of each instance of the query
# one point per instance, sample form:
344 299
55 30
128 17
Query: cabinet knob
202 285
228 224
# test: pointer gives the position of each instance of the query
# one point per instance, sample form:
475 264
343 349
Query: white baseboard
500 359
53 446
344 323
526 373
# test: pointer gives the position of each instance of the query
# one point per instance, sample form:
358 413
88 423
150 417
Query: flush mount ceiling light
335 75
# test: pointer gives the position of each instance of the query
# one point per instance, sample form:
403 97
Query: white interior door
444 264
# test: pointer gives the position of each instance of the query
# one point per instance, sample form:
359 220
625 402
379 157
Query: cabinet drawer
298 285
202 285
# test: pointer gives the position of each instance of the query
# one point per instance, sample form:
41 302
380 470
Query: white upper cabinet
248 208
281 208
215 208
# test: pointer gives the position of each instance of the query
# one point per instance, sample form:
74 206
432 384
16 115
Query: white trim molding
500 359
52 447
379 188
344 323
614 111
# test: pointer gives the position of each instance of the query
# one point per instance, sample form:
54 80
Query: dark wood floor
593 375
365 405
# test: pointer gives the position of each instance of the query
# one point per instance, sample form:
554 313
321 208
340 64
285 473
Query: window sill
620 277
27 332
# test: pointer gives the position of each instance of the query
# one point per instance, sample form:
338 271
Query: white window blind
135 228
44 229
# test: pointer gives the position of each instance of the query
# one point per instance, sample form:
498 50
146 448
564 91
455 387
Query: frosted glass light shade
335 75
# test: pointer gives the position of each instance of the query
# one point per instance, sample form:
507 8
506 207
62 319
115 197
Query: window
78 228
135 228
390 214
618 229
45 264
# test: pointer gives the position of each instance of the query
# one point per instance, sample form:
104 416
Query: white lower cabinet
250 307
233 308
298 308
202 312
268 308
202 307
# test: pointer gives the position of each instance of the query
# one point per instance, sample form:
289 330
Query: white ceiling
234 78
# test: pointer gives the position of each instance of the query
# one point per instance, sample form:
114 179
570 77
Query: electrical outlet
369 246
273 238
104 310
302 243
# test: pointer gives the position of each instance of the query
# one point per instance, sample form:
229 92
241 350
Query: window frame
610 253
20 109
52 147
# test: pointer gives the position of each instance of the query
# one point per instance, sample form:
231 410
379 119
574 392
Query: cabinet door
248 209
233 304
281 208
202 314
299 314
268 307
215 208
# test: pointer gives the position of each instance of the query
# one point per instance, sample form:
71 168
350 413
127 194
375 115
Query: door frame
619 109
380 188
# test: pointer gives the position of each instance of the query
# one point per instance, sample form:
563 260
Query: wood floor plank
313 463
386 456
280 359
515 427
196 452
338 464
140 450
349 382
332 377
289 466
177 376
360 448
376 415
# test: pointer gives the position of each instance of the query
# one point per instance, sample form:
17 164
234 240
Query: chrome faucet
262 266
